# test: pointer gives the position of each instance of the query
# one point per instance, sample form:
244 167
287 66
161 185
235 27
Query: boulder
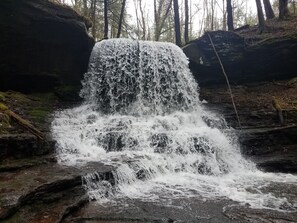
266 60
42 44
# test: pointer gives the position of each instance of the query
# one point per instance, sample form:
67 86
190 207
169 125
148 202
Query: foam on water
143 116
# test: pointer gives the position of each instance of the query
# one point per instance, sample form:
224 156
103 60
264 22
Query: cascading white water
143 116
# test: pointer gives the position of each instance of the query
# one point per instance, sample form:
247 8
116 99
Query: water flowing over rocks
131 77
159 152
43 45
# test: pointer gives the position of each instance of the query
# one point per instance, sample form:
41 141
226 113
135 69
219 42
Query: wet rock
23 145
273 149
43 44
246 214
112 141
161 143
280 164
180 210
202 145
45 191
267 140
219 123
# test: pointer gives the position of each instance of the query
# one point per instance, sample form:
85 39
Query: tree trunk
268 10
160 18
177 23
85 8
186 21
156 21
224 17
283 9
212 15
94 3
261 19
105 19
230 16
142 21
121 18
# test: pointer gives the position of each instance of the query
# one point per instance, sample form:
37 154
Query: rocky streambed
35 188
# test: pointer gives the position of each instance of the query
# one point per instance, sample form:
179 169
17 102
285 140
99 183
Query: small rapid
142 115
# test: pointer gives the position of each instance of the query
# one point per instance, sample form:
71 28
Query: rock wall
42 45
266 60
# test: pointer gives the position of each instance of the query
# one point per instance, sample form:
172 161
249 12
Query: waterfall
139 78
142 115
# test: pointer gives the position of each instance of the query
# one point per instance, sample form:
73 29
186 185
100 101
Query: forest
173 20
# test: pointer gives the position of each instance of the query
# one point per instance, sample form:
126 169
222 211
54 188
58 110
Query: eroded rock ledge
245 60
42 45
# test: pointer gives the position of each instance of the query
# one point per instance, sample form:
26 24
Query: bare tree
224 16
161 13
142 20
85 8
268 10
230 15
177 23
137 20
121 18
261 20
212 5
283 9
93 9
186 21
105 19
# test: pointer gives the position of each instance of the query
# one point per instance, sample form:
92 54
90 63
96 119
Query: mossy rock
4 123
39 113
3 107
17 96
45 97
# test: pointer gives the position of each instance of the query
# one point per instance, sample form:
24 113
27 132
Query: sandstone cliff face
245 60
42 45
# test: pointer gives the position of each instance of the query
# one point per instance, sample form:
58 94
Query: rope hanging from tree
227 79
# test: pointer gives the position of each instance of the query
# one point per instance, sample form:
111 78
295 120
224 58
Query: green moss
4 123
3 107
17 96
45 97
39 113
